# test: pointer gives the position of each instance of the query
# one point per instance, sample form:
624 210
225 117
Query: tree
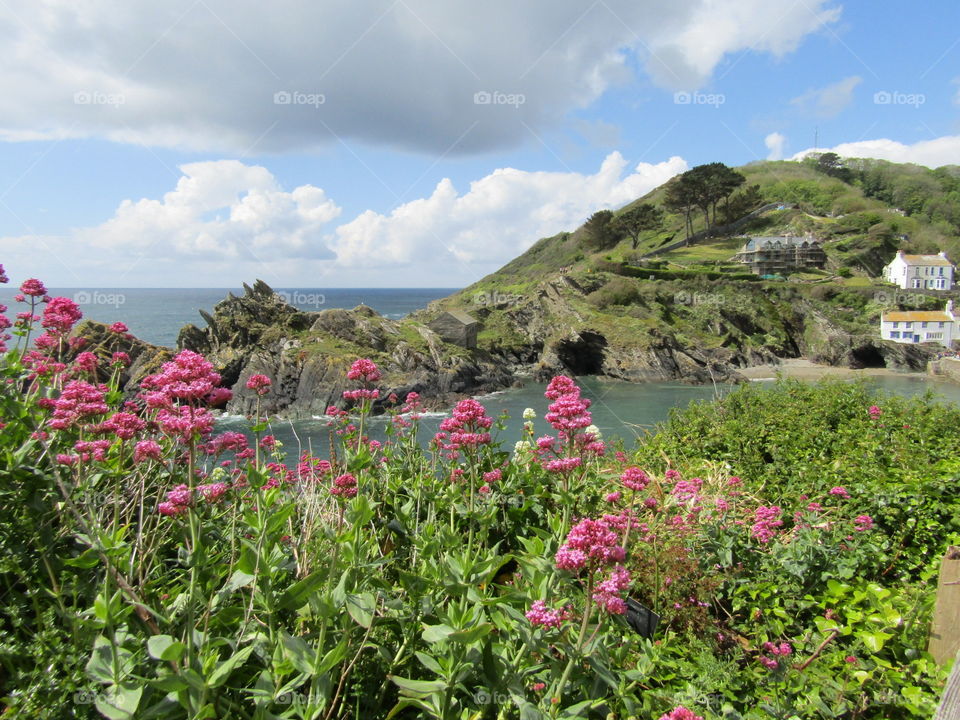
598 230
831 164
702 187
638 219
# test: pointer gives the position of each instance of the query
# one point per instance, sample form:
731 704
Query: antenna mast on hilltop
816 137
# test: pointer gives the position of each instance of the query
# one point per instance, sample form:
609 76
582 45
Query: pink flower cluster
875 412
608 593
147 450
568 412
185 422
540 615
364 370
781 650
766 518
633 478
60 315
862 523
180 498
189 376
840 491
344 486
33 288
468 426
260 384
680 713
590 544
78 401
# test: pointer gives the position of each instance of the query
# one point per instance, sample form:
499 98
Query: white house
929 272
920 326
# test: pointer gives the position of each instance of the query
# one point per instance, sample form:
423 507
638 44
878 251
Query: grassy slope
860 234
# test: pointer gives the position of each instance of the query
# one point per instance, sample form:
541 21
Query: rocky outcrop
307 354
145 358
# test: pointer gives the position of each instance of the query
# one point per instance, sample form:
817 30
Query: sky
415 143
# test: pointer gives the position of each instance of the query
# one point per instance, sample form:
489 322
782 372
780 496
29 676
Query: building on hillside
920 326
781 255
920 272
457 327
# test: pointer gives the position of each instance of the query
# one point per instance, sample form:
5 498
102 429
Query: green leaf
332 658
297 652
436 633
361 608
164 647
418 688
429 662
297 595
873 640
471 634
219 676
119 702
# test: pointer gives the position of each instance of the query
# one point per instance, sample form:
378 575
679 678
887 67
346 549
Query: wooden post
949 708
945 629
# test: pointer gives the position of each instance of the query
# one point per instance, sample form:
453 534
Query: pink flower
189 376
680 713
344 486
60 315
839 491
146 450
561 385
538 686
364 370
483 489
124 425
169 509
185 422
875 412
540 615
768 663
87 362
119 328
493 476
78 401
765 520
121 359
259 384
3 276
613 497
33 288
563 465
213 492
608 593
634 478
850 659
592 542
361 394
863 523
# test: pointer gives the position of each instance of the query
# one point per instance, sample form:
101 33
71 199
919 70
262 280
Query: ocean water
621 410
157 314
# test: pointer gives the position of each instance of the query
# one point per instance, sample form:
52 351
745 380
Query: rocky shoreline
306 354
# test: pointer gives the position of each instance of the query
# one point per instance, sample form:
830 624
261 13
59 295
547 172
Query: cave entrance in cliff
866 356
583 356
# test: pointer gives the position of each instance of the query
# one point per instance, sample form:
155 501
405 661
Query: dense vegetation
786 539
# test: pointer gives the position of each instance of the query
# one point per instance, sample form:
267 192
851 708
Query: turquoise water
620 410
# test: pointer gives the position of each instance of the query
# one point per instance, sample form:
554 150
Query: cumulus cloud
500 216
226 222
775 142
411 74
829 101
932 153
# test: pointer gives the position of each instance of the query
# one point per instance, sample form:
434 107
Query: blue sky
406 143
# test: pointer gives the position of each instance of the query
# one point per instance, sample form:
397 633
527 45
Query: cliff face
307 354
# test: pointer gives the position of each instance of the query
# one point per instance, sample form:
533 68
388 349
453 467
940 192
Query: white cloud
829 101
499 217
932 153
775 142
212 76
226 222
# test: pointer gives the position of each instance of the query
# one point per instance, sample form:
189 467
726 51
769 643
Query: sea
627 411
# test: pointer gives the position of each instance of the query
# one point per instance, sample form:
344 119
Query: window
923 324
894 334
896 324
941 326
941 271
934 336
908 325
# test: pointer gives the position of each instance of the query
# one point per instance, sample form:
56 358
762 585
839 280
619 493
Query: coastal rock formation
307 354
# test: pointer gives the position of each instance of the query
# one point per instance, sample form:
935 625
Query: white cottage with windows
926 272
920 326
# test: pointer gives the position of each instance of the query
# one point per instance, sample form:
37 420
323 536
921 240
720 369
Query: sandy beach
803 369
